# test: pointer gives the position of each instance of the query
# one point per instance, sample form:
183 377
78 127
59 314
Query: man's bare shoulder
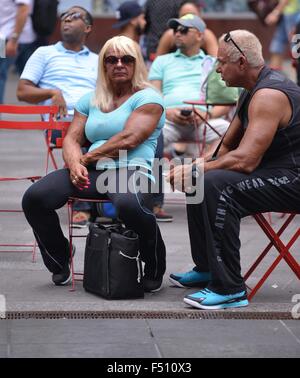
270 96
271 105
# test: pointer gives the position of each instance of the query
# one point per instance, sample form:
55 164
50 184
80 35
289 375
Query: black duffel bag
112 264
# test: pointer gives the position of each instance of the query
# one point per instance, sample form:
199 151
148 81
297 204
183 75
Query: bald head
249 45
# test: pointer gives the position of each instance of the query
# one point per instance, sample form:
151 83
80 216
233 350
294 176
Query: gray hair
248 43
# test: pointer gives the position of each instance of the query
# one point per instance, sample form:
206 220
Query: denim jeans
24 52
280 40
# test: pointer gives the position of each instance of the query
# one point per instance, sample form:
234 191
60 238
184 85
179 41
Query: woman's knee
128 207
32 198
51 192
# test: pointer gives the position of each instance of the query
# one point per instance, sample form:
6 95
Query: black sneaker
152 285
64 277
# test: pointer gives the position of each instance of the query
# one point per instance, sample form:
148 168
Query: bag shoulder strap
239 104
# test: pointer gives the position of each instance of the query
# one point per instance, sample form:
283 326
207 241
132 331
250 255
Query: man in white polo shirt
180 77
16 29
62 73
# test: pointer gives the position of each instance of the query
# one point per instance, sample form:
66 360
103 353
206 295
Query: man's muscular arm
266 116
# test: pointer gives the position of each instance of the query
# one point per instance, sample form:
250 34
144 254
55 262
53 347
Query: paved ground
29 292
149 338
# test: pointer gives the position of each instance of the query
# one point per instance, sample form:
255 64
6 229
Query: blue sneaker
190 279
208 300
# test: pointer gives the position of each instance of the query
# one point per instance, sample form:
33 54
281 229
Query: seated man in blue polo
181 76
61 74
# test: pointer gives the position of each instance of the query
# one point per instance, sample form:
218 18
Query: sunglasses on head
228 39
182 30
113 60
72 16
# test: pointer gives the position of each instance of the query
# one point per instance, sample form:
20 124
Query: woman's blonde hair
125 46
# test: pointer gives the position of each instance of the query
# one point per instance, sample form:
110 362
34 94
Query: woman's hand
86 159
79 176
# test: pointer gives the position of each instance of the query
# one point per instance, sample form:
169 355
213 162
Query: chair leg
274 265
200 145
270 218
50 154
30 247
34 252
283 250
261 222
70 217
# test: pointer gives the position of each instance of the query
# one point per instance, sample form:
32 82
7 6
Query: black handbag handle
115 228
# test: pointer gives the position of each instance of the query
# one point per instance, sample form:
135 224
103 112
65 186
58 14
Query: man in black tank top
255 169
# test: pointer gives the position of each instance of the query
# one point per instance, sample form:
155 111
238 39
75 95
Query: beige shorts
176 133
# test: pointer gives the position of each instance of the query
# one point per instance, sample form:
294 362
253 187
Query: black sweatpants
52 192
214 225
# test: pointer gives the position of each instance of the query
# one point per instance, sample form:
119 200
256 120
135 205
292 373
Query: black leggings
214 225
52 192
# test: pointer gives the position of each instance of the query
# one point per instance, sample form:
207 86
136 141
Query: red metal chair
206 123
21 124
50 151
51 148
282 248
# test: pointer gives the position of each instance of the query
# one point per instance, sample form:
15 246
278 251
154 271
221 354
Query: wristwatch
195 173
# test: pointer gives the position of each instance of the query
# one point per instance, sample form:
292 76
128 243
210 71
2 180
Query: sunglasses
113 60
228 39
182 30
73 16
